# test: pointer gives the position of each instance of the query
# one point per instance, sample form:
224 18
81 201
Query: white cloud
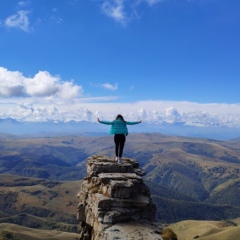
152 112
11 83
19 20
172 115
152 2
110 86
115 9
57 19
48 98
123 11
69 90
43 84
24 3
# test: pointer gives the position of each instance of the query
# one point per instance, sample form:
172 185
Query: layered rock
115 203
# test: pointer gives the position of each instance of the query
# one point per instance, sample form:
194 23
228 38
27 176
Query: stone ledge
133 230
118 176
103 164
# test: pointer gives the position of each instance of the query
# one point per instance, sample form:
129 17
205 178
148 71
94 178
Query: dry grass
39 203
16 232
65 199
206 230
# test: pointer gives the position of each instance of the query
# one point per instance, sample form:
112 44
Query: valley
189 178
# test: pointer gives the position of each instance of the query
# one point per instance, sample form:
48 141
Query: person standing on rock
120 130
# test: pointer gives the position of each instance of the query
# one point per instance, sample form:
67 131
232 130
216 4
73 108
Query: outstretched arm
104 122
132 123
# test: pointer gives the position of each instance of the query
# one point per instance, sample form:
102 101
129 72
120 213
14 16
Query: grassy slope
16 232
206 230
39 203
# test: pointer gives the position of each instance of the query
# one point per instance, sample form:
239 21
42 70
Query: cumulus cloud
44 97
69 90
43 84
19 20
172 115
11 83
151 112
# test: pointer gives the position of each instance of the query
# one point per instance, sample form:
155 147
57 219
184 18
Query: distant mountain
11 126
200 175
87 128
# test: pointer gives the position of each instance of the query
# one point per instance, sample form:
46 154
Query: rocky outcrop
114 202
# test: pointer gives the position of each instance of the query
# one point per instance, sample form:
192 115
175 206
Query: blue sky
120 52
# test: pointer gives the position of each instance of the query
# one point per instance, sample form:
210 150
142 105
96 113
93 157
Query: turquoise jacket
118 126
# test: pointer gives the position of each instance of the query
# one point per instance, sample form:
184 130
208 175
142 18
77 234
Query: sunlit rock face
114 202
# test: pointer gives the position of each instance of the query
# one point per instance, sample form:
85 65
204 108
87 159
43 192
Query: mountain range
189 178
92 128
192 172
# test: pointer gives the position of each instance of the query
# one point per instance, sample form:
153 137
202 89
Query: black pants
119 140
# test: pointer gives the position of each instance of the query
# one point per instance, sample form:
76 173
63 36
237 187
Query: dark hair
120 116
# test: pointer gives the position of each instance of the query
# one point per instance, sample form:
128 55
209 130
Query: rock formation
115 203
